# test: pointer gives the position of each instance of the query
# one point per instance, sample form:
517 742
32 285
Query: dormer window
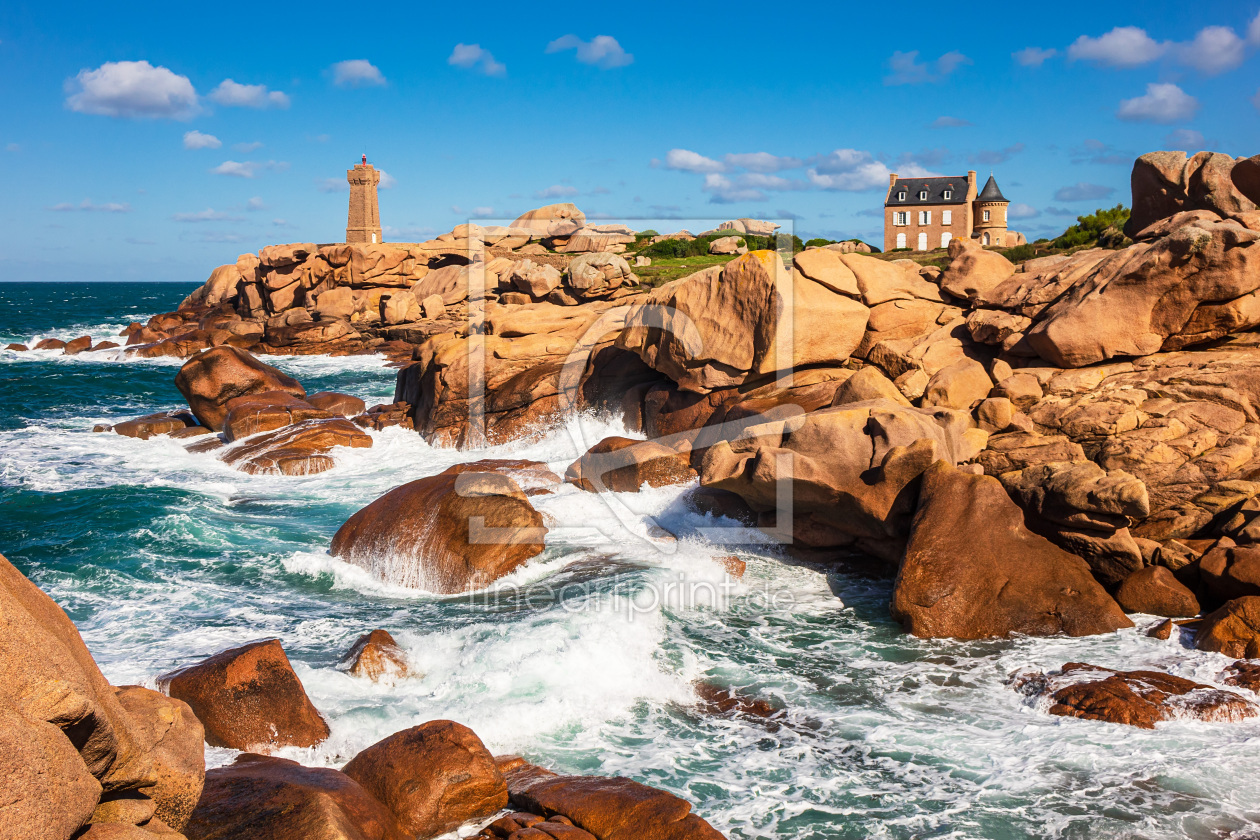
901 196
922 195
948 194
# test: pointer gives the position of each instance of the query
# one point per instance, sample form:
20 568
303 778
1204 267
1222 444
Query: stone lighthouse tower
364 221
990 215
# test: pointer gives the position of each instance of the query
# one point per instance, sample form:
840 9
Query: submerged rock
212 378
434 777
297 450
248 698
452 532
1135 698
265 412
265 798
973 570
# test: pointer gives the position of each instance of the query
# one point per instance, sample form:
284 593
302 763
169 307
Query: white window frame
901 240
901 196
923 240
947 217
923 195
901 218
986 215
948 195
925 217
945 238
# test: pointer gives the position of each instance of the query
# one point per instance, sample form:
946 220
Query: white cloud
688 161
252 146
602 51
88 205
248 168
256 203
1082 192
280 222
851 170
557 191
723 190
473 56
1033 56
1185 140
1163 102
762 162
1022 211
908 70
1253 31
235 95
207 215
196 140
1214 50
1124 46
132 89
356 73
387 181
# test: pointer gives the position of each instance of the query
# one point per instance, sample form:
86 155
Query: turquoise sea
587 662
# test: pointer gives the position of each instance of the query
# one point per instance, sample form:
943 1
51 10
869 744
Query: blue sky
155 142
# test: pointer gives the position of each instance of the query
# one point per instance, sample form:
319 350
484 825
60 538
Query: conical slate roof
991 192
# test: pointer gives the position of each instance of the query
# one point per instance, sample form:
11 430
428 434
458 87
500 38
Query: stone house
924 214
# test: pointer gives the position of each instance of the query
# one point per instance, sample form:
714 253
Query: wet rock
383 416
452 532
152 425
340 405
175 739
973 570
212 378
50 344
1154 590
266 411
249 698
1135 698
264 798
376 656
726 701
715 502
1162 631
608 807
433 777
1243 675
1233 630
78 345
302 449
622 465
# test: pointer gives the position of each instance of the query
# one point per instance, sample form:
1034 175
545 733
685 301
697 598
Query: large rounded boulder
249 698
213 377
434 777
452 532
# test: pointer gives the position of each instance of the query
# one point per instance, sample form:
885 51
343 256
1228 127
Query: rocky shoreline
1040 449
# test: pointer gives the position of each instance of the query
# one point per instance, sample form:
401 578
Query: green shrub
1088 228
817 242
1020 253
648 232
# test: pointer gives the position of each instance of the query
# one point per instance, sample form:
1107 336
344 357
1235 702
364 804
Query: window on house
901 196
901 218
901 240
947 217
948 195
986 239
925 217
922 195
986 215
945 237
923 241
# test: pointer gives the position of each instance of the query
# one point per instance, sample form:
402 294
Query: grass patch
667 269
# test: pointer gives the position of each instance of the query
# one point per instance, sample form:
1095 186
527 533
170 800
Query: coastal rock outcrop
433 777
249 698
1154 590
301 449
972 569
376 656
1233 630
1167 183
452 532
175 739
264 797
214 377
1135 698
622 465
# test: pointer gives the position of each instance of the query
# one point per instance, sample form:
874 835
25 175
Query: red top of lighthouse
365 160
